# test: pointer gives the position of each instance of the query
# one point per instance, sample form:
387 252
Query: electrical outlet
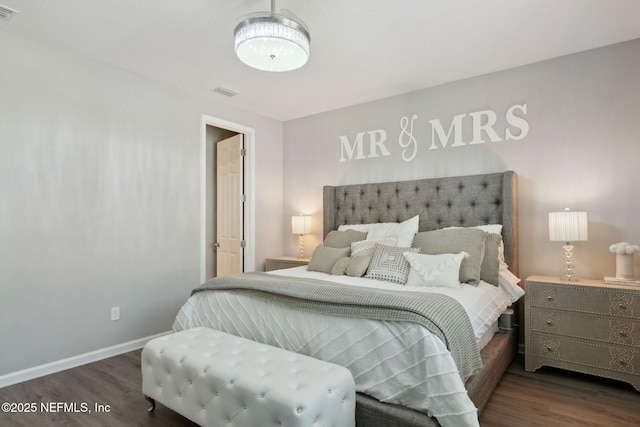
115 313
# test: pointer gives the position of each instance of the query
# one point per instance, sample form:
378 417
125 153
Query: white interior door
229 206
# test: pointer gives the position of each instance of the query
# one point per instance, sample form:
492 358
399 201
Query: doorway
215 130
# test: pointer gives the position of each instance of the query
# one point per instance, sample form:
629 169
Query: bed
434 205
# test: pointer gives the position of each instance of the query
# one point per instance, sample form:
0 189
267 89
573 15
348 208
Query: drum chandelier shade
270 41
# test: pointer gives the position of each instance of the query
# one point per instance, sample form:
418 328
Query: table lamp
568 226
301 225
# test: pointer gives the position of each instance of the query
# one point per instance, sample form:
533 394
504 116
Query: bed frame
441 202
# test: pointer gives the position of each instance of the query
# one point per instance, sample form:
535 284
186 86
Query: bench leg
153 404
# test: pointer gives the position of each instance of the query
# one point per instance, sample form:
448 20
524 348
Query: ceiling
361 50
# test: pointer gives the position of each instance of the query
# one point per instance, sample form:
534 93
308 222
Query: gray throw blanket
440 314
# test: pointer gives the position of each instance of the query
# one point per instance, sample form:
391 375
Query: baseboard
71 362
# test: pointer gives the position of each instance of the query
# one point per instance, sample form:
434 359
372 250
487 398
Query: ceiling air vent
224 91
6 12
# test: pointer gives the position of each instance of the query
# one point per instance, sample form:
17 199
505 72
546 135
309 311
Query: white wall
100 202
582 150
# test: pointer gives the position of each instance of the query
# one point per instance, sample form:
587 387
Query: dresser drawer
580 325
586 353
585 299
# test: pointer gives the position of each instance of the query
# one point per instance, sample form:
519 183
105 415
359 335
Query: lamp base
568 262
301 255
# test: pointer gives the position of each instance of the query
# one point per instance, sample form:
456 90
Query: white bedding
375 352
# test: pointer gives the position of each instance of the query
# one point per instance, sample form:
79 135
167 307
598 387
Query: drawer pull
622 306
550 298
550 349
623 363
622 334
549 323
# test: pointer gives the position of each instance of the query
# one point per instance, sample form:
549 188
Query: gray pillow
389 264
343 239
452 241
490 269
358 265
323 258
340 266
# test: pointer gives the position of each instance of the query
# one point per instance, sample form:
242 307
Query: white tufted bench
217 380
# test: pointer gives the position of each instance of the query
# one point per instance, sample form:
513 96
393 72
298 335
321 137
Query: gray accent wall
100 177
582 150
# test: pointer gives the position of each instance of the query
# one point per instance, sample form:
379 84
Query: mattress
394 362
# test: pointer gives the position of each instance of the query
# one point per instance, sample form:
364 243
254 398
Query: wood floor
553 397
547 398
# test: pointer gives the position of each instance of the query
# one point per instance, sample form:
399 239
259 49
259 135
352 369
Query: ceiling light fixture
271 41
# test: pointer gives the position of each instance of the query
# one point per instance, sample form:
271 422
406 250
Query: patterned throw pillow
365 247
434 270
389 264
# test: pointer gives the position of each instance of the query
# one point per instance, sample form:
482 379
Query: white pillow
365 247
377 227
490 228
404 230
434 270
508 283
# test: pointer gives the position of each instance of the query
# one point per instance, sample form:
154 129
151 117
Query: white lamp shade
301 224
568 226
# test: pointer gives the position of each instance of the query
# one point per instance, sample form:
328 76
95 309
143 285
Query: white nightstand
284 262
585 326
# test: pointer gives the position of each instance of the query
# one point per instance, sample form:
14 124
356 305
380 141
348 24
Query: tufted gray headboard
441 202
